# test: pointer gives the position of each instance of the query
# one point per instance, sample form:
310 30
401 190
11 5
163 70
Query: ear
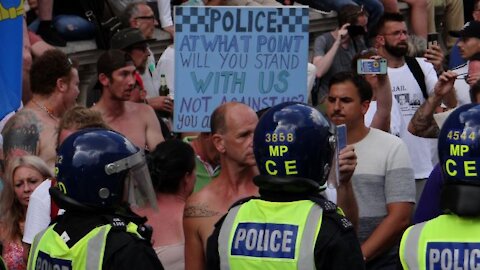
62 84
103 79
219 143
379 41
365 106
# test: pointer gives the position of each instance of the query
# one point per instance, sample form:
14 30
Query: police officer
452 240
97 169
3 266
290 226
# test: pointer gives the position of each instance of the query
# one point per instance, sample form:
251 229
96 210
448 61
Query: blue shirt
428 206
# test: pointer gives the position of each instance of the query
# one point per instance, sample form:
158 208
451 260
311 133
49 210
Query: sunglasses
397 33
463 76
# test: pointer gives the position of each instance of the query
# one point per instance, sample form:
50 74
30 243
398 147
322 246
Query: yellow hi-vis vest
49 251
270 235
445 242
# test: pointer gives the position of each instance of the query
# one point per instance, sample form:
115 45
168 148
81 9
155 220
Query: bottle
163 90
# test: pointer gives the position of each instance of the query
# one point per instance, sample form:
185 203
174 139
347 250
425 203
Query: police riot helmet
101 168
459 154
293 146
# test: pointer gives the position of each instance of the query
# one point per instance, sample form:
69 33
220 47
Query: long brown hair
12 212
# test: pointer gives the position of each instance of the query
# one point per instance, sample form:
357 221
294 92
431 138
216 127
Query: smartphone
372 66
341 136
432 39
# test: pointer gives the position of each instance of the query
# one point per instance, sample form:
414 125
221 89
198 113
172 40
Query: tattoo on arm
424 124
21 134
199 211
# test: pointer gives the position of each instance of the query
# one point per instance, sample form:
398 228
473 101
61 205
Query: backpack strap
417 72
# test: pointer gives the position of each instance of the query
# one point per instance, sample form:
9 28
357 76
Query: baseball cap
127 37
112 60
470 29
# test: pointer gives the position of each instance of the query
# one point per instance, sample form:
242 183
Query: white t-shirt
409 96
150 78
38 212
164 13
462 88
397 124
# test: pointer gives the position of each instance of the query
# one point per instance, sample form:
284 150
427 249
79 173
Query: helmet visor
138 188
337 141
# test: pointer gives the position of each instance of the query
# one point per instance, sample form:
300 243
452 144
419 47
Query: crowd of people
110 185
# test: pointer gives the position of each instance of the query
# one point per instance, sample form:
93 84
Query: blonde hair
80 117
11 211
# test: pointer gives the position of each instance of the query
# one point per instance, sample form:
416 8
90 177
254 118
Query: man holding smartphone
415 77
383 179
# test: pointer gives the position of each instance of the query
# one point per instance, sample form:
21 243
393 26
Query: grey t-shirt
341 62
383 175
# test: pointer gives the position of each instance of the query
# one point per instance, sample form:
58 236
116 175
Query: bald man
232 127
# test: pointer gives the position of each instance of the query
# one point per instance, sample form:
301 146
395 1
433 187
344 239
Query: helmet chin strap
453 199
69 204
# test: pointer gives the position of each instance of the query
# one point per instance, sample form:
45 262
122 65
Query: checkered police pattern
197 19
294 20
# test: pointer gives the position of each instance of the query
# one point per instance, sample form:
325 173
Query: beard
398 50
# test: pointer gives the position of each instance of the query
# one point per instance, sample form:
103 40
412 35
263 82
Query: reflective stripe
94 249
305 260
224 237
411 245
34 248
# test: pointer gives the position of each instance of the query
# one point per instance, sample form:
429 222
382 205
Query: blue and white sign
451 255
257 56
265 240
44 261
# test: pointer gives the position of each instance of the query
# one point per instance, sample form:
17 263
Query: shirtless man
232 127
136 121
54 83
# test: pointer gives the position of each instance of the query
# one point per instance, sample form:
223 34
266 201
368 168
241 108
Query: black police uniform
337 246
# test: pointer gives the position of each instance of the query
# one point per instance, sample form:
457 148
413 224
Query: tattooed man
232 126
54 82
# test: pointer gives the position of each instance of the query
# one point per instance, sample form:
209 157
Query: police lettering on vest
45 262
265 240
454 256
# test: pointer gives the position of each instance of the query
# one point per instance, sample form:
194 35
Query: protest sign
257 56
11 19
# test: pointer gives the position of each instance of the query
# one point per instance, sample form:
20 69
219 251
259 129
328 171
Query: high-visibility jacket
49 250
445 242
270 235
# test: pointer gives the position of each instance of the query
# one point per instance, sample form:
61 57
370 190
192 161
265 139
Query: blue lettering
265 240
